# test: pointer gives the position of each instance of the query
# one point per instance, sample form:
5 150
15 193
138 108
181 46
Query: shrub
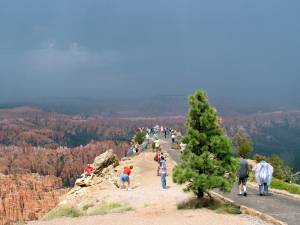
140 137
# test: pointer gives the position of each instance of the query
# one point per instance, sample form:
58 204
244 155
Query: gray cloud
73 57
238 51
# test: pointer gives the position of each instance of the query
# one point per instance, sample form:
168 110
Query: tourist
263 174
173 138
88 170
243 175
157 158
165 133
157 144
148 138
124 177
163 173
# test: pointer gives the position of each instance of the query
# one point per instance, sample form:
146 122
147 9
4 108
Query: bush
140 137
291 188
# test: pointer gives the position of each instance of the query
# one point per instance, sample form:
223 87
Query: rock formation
27 197
104 172
103 165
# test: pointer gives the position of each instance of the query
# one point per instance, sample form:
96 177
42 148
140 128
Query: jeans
163 180
263 188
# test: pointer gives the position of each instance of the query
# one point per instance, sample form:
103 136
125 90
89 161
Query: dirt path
151 204
283 208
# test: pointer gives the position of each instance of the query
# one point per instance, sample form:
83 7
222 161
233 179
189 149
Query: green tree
243 144
207 162
140 137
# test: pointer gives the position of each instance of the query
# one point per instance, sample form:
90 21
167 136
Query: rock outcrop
103 165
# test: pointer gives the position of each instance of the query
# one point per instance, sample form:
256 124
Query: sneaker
128 189
245 194
164 189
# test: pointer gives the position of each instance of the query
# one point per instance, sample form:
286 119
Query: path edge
248 211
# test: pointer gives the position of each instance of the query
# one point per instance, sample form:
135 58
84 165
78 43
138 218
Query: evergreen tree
206 162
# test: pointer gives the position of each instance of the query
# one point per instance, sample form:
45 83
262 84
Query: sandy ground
151 204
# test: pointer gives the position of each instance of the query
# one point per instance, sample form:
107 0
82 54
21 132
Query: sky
238 51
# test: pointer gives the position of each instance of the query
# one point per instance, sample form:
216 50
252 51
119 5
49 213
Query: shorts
243 180
124 177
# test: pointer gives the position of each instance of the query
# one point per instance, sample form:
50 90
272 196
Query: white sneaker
164 189
128 189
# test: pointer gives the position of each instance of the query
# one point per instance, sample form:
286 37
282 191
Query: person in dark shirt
243 175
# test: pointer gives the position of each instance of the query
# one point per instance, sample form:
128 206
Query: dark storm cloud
236 50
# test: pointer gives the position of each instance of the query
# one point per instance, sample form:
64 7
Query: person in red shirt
88 170
124 177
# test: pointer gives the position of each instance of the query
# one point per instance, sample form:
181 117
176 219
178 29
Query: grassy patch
291 188
63 211
87 210
106 208
208 203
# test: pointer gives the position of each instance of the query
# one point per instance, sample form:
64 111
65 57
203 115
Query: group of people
263 173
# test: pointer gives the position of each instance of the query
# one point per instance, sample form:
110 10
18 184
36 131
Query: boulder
104 160
103 165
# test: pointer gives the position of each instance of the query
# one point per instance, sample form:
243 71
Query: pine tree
207 162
